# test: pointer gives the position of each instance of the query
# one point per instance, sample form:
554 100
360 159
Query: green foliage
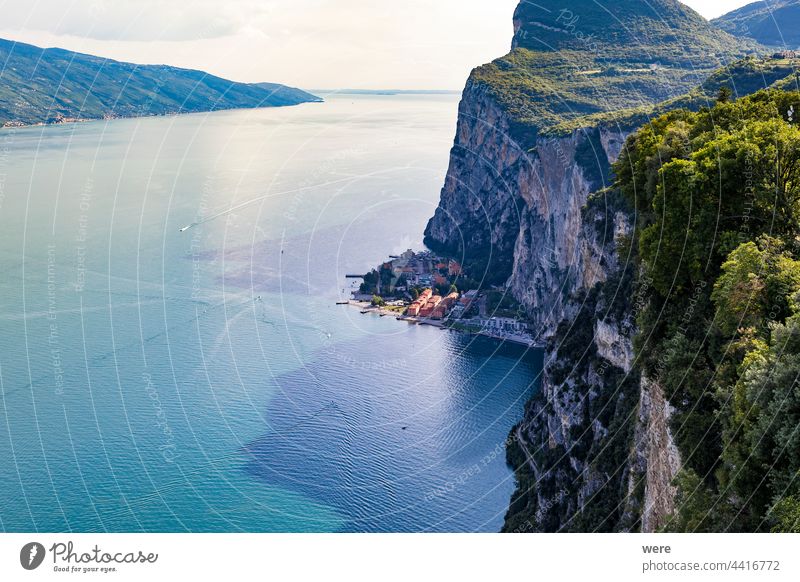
704 182
502 304
698 509
767 417
756 287
724 95
377 300
369 283
717 198
740 78
786 515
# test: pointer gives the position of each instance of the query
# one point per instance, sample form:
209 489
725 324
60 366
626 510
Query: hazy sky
306 43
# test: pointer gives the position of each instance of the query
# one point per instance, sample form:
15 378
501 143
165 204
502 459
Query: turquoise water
205 380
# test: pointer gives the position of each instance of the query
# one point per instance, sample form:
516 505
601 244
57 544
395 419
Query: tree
776 171
695 510
716 196
785 515
756 286
377 300
762 450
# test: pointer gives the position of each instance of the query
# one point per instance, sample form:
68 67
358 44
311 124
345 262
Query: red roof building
430 306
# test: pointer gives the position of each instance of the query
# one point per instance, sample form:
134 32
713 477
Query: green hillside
774 23
52 85
593 58
740 78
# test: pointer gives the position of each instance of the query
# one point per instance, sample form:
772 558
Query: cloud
132 20
307 43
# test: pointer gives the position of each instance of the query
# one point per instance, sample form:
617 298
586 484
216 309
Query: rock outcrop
663 460
518 208
526 204
530 213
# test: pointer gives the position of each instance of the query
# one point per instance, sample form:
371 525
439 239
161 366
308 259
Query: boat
342 303
363 311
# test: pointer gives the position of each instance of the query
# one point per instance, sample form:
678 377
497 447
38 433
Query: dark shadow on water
416 448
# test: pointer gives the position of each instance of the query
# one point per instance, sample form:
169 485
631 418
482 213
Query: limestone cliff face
557 252
479 210
663 460
526 210
522 207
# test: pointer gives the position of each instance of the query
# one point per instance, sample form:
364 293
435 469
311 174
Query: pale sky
401 44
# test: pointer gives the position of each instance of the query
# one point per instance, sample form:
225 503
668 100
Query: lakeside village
427 289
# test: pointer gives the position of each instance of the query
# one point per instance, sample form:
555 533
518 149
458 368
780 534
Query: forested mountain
52 85
772 22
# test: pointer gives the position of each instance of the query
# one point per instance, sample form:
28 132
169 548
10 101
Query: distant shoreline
75 120
385 92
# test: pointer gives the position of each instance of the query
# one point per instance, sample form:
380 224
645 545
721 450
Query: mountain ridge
567 63
52 85
775 23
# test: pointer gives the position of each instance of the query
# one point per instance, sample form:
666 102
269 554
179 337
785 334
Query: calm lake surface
205 380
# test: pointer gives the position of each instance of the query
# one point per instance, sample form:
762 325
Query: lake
160 379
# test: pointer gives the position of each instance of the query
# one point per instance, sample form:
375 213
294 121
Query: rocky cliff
520 208
530 214
525 205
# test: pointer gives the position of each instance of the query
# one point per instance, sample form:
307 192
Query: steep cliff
537 131
525 205
527 212
593 451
